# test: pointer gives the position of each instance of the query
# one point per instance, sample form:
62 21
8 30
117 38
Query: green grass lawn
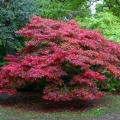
106 105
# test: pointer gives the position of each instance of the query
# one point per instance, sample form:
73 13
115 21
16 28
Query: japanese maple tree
69 58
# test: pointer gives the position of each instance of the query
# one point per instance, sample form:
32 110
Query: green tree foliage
13 15
59 9
109 6
106 22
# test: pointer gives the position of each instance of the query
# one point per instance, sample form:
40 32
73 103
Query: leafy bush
69 60
106 22
111 84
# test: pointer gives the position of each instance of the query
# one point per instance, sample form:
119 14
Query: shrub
111 84
109 27
69 60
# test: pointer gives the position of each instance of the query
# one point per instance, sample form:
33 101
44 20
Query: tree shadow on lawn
32 101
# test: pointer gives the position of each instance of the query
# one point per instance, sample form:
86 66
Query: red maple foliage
65 55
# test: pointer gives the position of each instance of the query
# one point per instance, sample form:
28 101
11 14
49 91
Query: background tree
109 6
13 15
61 9
107 23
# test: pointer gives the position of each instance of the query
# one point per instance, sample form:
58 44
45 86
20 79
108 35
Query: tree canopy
59 9
13 15
107 23
109 6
